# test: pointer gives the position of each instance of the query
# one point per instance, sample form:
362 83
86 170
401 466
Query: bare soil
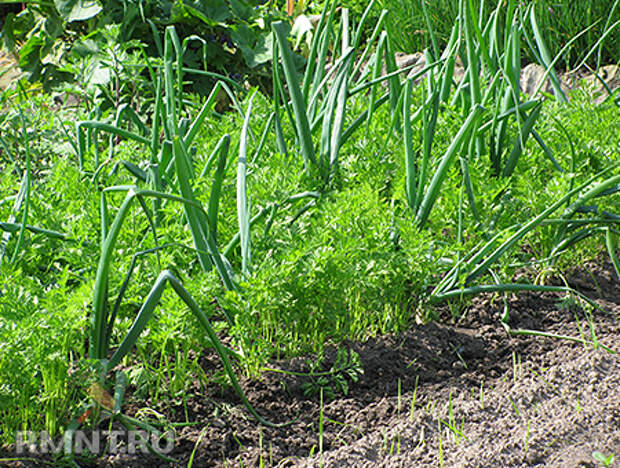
436 395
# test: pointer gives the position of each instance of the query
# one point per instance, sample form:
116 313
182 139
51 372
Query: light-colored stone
9 70
610 74
406 60
532 75
419 61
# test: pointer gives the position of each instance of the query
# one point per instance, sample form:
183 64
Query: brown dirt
511 401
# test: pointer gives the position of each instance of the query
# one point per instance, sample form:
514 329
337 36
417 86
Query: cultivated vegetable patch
334 263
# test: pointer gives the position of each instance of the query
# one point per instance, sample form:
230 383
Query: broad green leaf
100 75
211 12
302 28
77 10
30 53
7 36
256 48
85 48
241 10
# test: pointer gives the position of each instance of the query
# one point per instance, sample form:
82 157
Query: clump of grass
561 20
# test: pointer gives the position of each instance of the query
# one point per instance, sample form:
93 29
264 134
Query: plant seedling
605 460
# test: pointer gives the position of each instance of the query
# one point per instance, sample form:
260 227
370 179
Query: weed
605 460
527 436
413 399
347 366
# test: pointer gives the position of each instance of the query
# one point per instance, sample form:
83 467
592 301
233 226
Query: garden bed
322 256
498 400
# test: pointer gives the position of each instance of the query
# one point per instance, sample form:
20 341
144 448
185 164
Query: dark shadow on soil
429 363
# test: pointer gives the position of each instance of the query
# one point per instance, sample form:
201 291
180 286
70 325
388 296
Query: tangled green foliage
231 37
560 19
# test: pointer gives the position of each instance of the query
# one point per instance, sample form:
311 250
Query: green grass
562 21
347 235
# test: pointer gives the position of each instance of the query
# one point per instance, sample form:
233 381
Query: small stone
531 76
406 60
610 74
